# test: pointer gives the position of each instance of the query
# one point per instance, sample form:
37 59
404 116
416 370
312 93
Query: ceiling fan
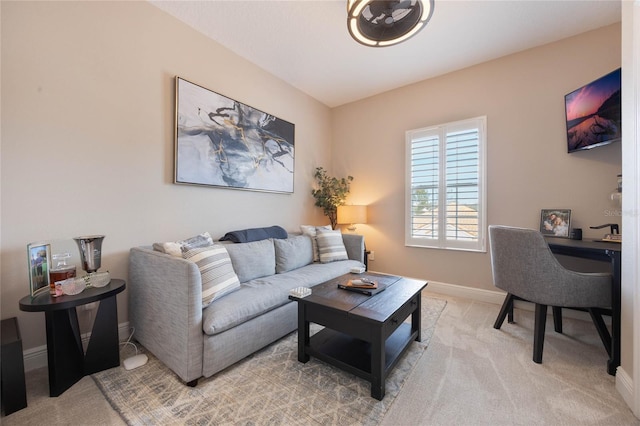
380 23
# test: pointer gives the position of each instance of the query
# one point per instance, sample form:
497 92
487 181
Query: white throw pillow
176 248
311 231
218 276
330 246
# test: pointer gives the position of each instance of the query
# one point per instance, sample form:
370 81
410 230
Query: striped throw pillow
311 231
218 276
330 246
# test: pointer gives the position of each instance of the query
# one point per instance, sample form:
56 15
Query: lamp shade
352 214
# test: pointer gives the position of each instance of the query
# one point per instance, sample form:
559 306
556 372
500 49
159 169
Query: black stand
67 360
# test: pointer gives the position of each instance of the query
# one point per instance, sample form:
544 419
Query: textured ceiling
306 42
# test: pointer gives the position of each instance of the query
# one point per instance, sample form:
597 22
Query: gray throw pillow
252 260
293 253
330 246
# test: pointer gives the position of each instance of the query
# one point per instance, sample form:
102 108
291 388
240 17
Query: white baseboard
489 296
497 297
624 386
37 357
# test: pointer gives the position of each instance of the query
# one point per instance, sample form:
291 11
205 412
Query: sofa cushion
252 260
312 231
330 246
218 278
176 248
262 295
293 253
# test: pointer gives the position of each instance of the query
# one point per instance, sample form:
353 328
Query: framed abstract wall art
555 222
39 259
224 143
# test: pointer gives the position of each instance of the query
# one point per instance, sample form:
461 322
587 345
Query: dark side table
14 391
67 360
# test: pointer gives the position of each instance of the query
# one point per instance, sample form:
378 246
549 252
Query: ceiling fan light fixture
380 23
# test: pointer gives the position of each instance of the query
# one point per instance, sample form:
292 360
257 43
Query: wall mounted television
593 113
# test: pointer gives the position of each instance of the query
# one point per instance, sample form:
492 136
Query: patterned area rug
269 387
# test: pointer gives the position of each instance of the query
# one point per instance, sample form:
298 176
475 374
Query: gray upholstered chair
524 266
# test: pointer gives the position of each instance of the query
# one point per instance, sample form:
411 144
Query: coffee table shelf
354 355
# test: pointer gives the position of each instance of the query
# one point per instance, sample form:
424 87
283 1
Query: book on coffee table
368 287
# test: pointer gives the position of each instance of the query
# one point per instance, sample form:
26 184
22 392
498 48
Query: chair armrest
165 309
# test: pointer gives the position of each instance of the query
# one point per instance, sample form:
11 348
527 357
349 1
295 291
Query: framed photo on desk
555 222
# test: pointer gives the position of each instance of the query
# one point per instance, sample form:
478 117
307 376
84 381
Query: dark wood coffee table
363 335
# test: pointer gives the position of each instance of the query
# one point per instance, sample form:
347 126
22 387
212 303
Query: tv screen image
593 113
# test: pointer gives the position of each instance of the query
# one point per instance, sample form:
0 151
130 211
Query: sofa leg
193 383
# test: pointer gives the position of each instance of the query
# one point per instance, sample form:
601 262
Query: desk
607 252
67 360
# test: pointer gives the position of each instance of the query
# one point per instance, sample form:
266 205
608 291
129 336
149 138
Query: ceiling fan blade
377 8
404 4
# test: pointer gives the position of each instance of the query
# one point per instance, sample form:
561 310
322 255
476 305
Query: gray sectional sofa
165 301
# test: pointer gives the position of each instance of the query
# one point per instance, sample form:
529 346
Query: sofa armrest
165 309
354 243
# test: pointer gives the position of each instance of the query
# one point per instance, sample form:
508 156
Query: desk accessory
614 236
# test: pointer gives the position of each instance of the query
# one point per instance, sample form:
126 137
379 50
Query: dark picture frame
555 222
224 143
39 262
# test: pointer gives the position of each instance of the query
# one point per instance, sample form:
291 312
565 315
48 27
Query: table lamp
350 215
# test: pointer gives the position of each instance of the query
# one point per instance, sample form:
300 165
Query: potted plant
331 193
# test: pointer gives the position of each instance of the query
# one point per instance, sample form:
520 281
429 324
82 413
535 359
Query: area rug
269 387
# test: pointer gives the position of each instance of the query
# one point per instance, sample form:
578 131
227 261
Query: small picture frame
555 222
39 261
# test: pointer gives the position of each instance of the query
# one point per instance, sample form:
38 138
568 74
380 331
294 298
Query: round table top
45 303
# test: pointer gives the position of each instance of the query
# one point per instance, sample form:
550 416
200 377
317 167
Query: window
446 196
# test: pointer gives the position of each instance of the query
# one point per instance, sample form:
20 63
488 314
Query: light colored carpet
269 387
470 374
473 374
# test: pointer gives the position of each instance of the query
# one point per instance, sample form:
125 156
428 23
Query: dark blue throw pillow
255 234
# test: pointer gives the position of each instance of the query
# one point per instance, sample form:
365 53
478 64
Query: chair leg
510 319
538 332
603 332
507 307
557 318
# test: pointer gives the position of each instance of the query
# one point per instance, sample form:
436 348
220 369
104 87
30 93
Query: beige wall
87 141
87 137
522 96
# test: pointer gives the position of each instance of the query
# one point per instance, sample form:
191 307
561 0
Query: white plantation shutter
446 186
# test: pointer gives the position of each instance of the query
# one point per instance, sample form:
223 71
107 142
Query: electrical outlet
372 255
